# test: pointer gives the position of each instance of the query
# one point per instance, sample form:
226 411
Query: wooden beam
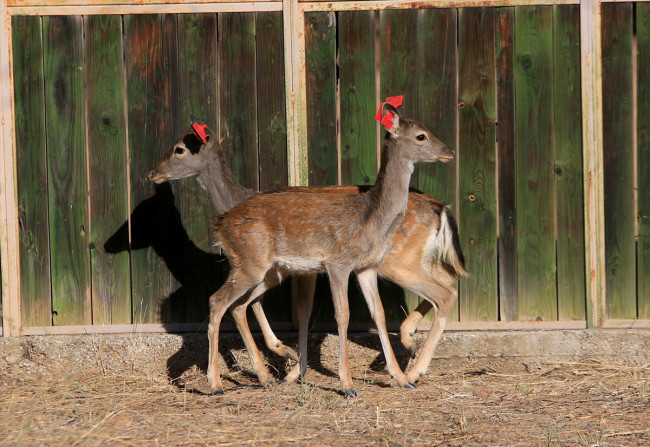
296 95
125 9
8 189
592 147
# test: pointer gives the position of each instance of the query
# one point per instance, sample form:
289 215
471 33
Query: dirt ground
106 396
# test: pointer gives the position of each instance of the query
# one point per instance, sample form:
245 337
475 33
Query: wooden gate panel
111 291
568 164
534 163
67 177
506 195
476 158
618 156
31 171
643 158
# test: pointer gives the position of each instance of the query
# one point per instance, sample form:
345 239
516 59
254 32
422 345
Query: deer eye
421 137
179 150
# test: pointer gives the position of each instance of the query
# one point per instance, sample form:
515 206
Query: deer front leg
368 281
339 287
305 286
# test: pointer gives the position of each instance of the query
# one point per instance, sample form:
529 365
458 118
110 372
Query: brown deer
426 236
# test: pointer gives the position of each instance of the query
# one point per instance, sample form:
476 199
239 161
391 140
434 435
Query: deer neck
389 196
223 190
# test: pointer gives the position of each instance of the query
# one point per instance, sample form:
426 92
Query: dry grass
495 402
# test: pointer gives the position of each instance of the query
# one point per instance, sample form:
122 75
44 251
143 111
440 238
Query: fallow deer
425 238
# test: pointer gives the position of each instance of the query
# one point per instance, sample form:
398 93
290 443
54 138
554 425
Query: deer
427 235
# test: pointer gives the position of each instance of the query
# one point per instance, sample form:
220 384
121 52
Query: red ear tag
387 121
199 131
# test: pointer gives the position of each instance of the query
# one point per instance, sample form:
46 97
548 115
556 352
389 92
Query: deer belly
300 264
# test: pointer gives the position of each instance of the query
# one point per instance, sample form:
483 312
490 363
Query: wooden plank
592 130
111 294
271 114
507 243
357 97
618 160
643 158
197 95
31 171
238 95
272 122
320 36
67 178
476 159
568 164
154 217
534 163
357 116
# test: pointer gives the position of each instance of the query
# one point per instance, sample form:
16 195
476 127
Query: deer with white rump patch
426 236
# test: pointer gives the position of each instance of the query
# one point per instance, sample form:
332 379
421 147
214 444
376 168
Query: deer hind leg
339 286
272 278
272 342
409 326
305 286
234 288
368 281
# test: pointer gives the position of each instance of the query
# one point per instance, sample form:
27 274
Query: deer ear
390 117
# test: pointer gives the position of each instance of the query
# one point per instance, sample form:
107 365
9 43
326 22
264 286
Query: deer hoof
349 392
411 351
291 354
409 385
217 392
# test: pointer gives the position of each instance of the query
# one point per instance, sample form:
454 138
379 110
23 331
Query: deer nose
152 174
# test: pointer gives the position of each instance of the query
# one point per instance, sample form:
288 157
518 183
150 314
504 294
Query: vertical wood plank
197 95
272 124
476 157
357 115
271 113
568 164
618 160
151 130
534 163
398 70
437 103
320 43
643 158
31 171
111 292
357 102
238 94
66 159
507 244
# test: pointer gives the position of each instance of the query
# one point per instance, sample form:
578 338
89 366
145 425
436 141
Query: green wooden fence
98 99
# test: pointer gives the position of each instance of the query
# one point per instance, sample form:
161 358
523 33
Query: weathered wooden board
320 49
570 235
618 158
111 288
67 177
643 158
535 192
358 131
507 242
476 159
154 221
271 115
31 171
196 90
238 95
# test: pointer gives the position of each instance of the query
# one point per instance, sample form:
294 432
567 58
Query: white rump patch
439 242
